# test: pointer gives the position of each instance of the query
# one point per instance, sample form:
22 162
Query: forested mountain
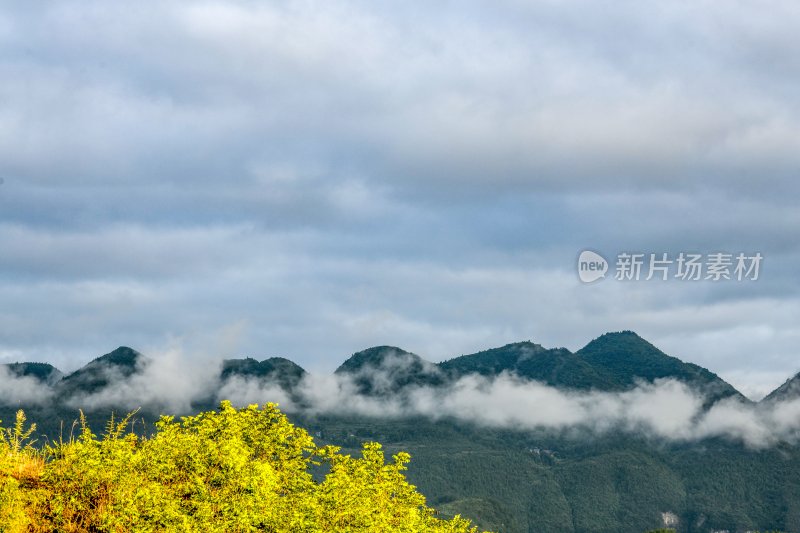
42 372
790 390
99 373
626 357
507 477
387 370
277 370
556 367
612 362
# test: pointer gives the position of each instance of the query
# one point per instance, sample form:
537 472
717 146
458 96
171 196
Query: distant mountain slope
43 372
611 362
555 367
387 369
278 370
513 480
626 358
790 390
118 364
517 481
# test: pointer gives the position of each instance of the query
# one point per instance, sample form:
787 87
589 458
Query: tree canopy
230 470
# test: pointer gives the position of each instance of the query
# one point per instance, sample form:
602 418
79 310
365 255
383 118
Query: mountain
790 390
555 367
511 479
278 370
42 372
387 369
25 384
535 481
611 362
97 374
626 357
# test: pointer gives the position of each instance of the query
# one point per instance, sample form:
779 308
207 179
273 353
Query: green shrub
219 471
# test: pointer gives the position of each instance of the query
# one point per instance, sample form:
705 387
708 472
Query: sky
308 179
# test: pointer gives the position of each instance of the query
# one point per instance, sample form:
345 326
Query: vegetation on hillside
504 479
220 471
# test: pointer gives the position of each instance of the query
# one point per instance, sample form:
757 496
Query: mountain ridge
789 390
614 361
509 478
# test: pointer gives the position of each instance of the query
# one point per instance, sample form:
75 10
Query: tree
231 470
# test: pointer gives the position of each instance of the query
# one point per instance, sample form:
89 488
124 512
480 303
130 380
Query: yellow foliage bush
227 471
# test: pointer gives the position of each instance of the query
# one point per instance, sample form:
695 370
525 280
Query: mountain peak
494 360
122 356
43 372
387 369
556 367
99 373
626 336
627 358
790 390
280 370
626 349
377 356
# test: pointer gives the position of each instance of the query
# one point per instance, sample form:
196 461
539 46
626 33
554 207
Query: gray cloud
428 101
353 174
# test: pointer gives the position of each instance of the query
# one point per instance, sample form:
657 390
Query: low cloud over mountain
619 382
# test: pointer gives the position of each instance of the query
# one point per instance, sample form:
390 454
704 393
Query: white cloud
174 379
22 390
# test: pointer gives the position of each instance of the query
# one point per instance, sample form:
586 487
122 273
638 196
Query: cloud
490 98
413 174
22 390
664 411
243 391
169 379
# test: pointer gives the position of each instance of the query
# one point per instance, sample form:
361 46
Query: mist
667 410
22 390
170 381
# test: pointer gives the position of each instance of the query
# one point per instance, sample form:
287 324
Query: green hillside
510 480
626 357
519 482
43 372
278 370
387 370
97 374
789 390
556 367
611 362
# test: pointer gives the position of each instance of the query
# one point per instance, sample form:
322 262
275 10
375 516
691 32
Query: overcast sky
308 179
